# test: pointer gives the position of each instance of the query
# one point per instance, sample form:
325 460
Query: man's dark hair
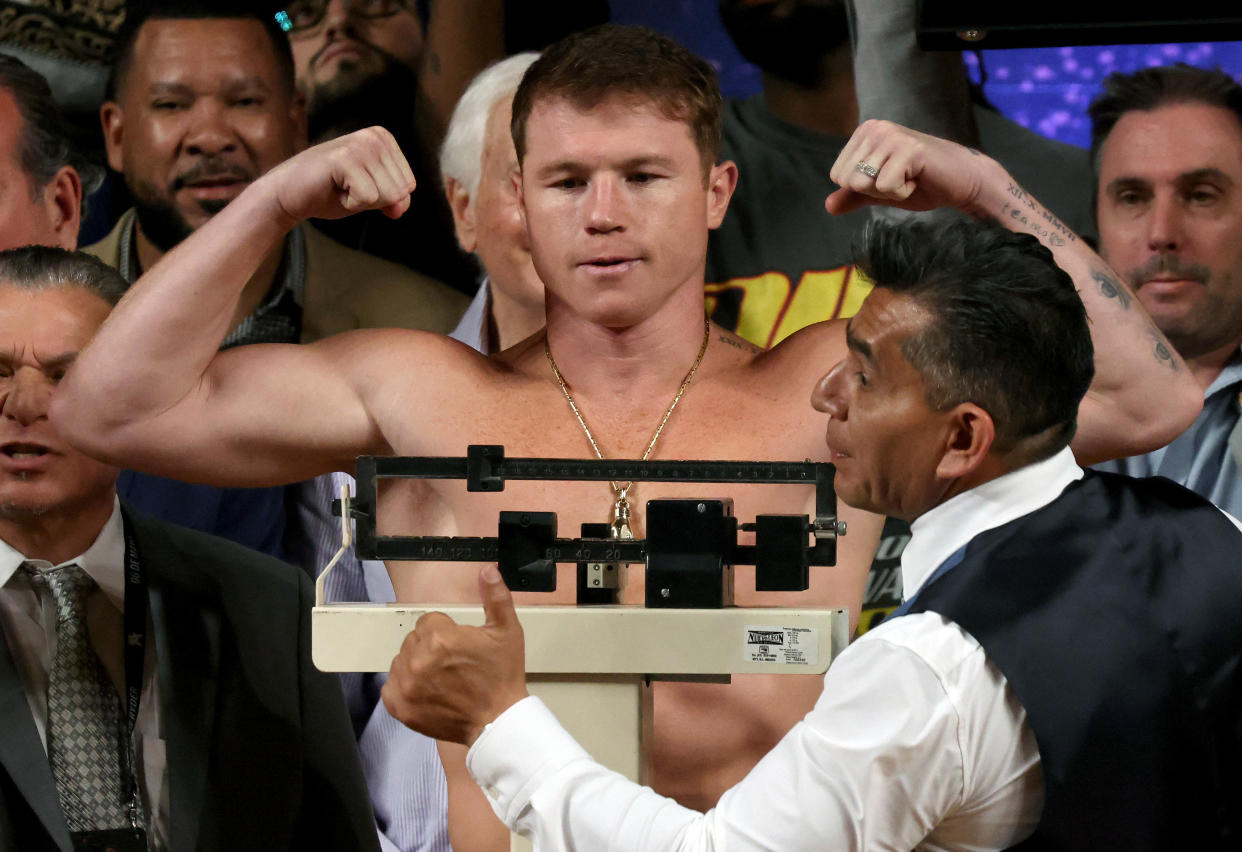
1007 332
191 10
44 147
589 67
49 268
1151 88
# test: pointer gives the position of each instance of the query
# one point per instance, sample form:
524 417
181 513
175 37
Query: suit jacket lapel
22 754
187 651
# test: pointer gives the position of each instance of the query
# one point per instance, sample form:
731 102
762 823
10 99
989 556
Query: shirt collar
941 531
472 328
103 561
1230 375
293 265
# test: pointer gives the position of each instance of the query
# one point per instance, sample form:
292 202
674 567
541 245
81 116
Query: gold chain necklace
621 508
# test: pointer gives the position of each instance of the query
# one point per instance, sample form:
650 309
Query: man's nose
28 397
1164 225
211 130
338 18
829 396
604 212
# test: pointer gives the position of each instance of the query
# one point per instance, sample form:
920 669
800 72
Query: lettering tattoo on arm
1027 212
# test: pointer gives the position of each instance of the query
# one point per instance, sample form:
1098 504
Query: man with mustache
1167 150
201 102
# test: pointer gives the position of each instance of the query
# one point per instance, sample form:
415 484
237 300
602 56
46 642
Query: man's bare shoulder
826 338
422 390
812 350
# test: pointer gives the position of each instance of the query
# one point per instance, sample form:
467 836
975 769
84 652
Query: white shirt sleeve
884 758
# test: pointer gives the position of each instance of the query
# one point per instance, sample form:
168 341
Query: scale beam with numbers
593 663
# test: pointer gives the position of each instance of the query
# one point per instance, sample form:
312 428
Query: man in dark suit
217 732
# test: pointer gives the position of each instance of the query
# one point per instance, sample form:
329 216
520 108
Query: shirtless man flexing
616 131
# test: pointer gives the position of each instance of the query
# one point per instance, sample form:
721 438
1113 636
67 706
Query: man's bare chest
704 428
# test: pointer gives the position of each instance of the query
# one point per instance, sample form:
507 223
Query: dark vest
1115 613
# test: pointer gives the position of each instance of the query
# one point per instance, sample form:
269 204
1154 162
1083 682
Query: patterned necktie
85 743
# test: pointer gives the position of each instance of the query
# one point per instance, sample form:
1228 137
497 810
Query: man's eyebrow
1190 177
647 161
160 88
168 87
53 362
1207 173
560 167
249 81
1117 184
634 163
857 344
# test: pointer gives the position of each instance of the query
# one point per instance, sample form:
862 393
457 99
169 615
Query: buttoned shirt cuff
516 753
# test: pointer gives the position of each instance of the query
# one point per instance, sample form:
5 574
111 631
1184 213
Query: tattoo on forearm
1164 355
740 344
1111 288
434 63
1029 213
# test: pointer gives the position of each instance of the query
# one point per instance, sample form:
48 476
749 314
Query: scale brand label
784 646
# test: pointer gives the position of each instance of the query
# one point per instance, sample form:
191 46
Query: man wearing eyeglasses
340 46
401 65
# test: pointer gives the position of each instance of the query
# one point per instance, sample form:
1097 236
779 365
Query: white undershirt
916 741
29 625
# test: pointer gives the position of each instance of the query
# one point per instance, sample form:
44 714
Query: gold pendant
621 517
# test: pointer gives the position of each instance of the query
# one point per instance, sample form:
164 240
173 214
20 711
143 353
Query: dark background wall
1044 88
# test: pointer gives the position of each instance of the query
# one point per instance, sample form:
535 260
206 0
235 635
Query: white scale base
590 664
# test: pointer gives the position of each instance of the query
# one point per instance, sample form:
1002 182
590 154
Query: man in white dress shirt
1057 620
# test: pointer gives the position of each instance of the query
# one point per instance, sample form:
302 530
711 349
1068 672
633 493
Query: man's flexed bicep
151 391
259 415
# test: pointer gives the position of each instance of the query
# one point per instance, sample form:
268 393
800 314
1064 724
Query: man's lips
1168 286
221 187
338 50
835 453
24 456
609 265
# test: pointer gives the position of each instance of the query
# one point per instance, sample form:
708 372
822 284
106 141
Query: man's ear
971 435
721 181
112 120
463 214
516 177
62 199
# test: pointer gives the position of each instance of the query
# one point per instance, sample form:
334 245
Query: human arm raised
151 391
1142 396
